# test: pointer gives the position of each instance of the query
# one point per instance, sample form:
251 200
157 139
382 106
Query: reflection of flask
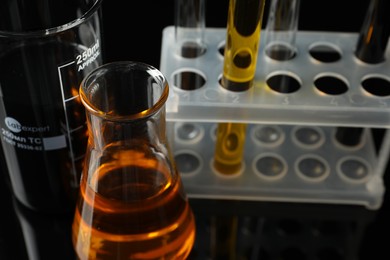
132 204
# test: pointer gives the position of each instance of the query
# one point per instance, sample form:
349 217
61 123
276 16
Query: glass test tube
240 58
281 29
374 33
189 27
370 48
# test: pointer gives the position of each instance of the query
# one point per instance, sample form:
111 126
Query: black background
133 29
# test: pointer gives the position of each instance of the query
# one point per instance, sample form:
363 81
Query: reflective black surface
245 230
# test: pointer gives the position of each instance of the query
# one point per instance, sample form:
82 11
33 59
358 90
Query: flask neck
147 130
125 105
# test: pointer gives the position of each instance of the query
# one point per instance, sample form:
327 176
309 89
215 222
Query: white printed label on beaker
88 56
14 136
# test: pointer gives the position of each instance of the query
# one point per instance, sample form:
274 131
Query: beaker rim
90 80
56 29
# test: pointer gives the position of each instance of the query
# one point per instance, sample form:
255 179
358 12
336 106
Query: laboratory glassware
370 48
374 34
131 204
46 49
281 29
239 66
190 23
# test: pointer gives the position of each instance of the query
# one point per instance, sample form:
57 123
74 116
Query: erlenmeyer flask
131 203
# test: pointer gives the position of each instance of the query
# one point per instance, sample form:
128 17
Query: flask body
131 203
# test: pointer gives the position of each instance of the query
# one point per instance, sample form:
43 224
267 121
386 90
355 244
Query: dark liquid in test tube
374 34
370 48
349 136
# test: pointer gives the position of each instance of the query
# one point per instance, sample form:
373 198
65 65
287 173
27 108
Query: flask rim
90 81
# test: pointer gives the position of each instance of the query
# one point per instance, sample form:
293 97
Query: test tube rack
290 152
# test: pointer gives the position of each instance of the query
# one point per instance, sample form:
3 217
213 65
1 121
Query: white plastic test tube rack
290 152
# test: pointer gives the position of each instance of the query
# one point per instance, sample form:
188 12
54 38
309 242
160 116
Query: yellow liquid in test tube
242 43
229 147
240 58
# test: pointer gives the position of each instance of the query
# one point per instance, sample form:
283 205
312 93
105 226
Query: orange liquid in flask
124 213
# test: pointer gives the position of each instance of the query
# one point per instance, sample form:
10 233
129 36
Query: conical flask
131 203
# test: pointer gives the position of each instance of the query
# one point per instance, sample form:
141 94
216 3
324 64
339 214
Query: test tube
349 136
370 48
190 25
239 67
242 43
374 33
229 148
281 29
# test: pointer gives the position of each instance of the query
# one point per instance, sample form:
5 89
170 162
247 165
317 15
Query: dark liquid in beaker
133 209
43 129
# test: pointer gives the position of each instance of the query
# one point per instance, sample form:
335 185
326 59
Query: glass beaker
46 48
131 204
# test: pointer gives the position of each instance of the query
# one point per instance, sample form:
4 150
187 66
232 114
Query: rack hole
325 53
331 84
354 169
188 132
213 132
187 163
221 49
188 80
308 137
280 52
270 166
312 168
283 83
268 136
377 86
